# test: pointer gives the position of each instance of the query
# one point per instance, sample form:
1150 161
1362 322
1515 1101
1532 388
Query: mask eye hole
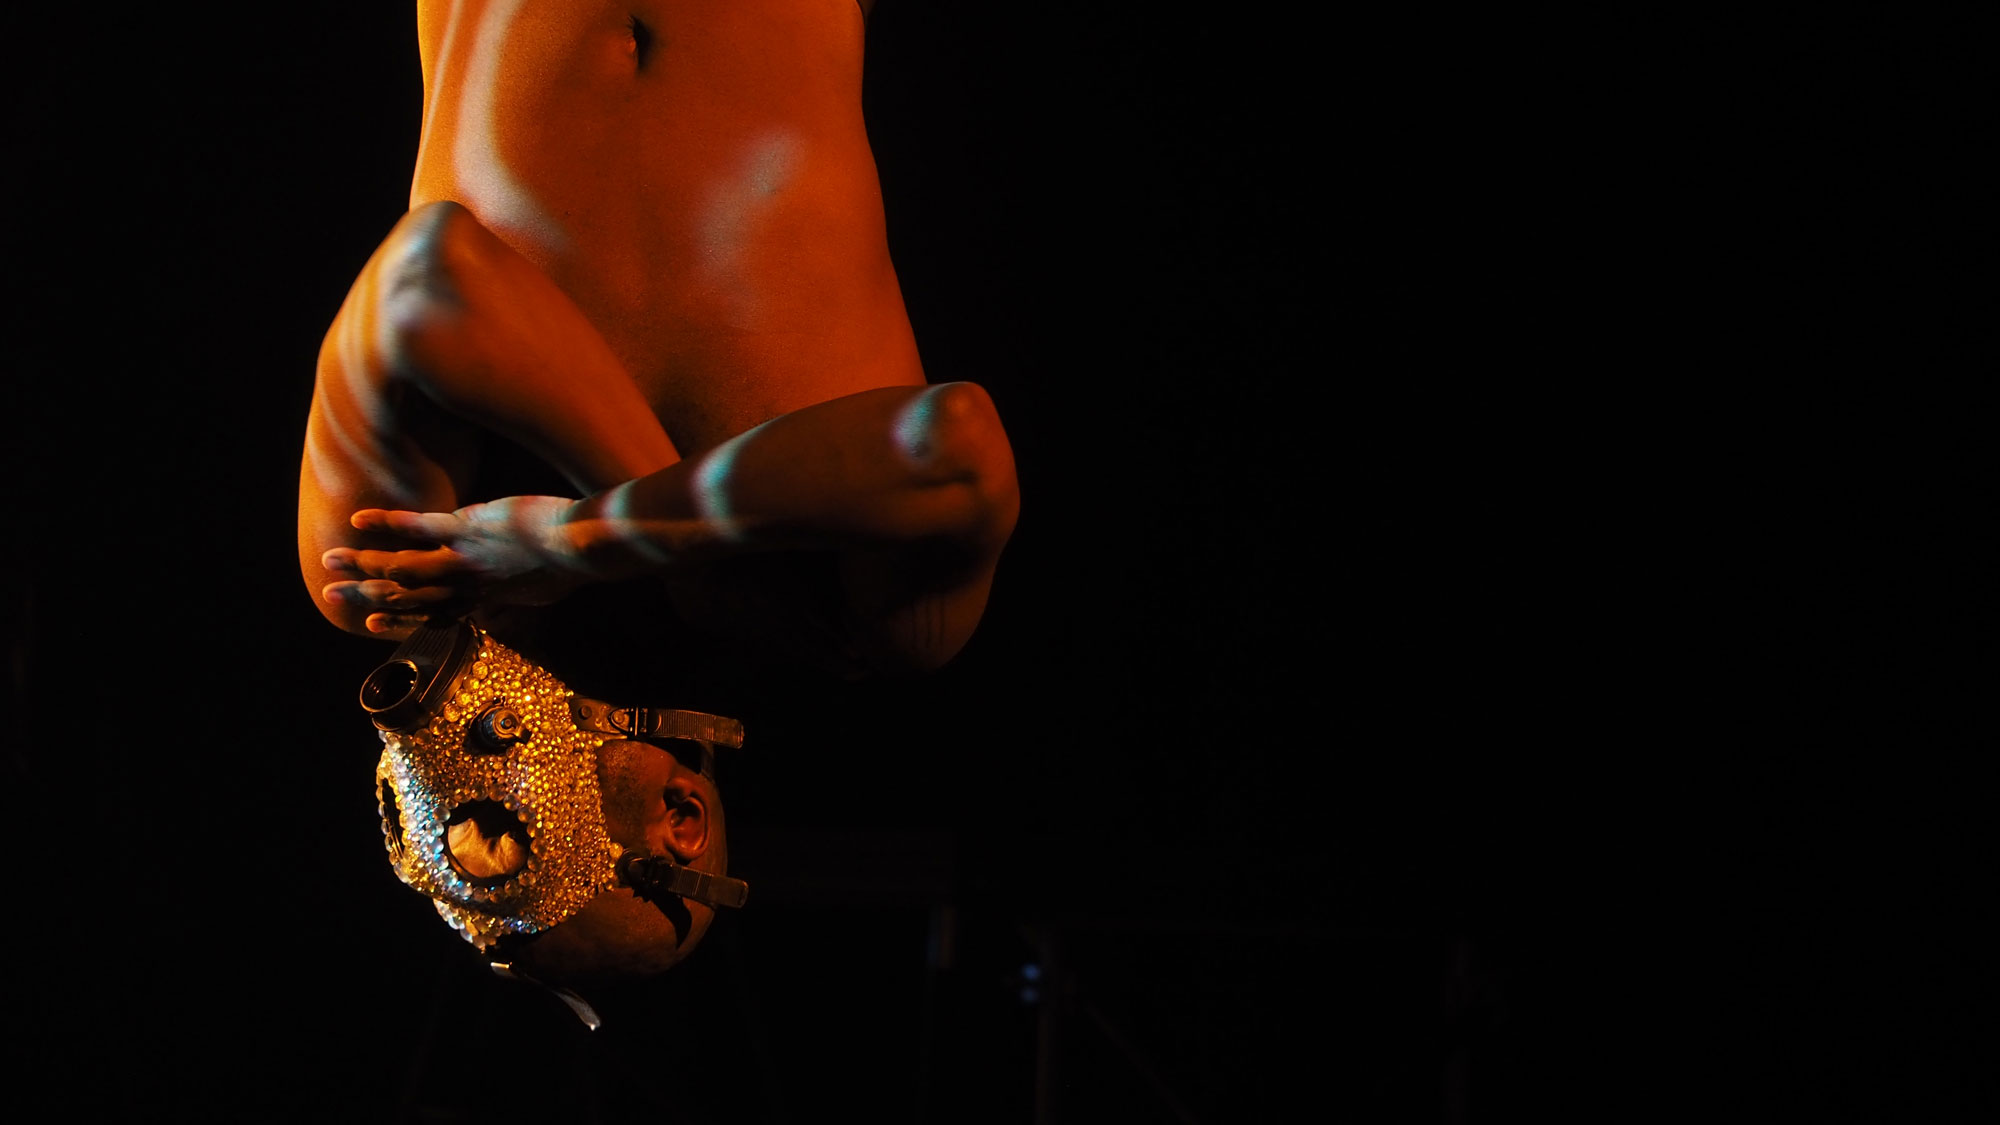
487 843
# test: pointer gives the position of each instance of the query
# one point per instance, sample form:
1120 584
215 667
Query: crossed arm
912 487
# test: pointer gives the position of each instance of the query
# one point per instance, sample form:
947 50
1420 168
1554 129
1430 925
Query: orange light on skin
657 239
491 187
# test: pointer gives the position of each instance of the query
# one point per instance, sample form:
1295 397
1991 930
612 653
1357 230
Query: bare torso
694 174
664 204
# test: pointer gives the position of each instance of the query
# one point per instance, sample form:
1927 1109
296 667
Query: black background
1498 623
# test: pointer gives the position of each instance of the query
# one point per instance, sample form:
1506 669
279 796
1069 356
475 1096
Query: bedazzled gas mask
488 786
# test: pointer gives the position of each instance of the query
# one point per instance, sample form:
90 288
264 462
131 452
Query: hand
511 551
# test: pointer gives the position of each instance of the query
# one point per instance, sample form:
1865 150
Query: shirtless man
646 244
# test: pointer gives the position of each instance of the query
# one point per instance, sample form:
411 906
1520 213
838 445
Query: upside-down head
582 843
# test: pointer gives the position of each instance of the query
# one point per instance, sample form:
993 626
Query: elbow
353 624
419 291
347 618
951 435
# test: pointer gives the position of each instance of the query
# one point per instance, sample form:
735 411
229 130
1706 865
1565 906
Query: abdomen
711 205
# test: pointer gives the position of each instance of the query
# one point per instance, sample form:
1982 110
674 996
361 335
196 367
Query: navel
638 41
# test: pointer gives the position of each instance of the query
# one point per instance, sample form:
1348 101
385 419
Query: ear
683 826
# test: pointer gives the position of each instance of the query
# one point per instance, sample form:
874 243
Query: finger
373 593
392 625
408 568
424 598
343 593
381 594
429 527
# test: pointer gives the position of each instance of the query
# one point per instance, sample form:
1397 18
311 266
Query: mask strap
652 877
576 1004
655 722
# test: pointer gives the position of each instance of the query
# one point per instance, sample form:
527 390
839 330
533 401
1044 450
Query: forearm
447 333
911 489
481 333
880 469
368 443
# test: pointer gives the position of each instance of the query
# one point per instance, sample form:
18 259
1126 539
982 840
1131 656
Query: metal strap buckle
635 722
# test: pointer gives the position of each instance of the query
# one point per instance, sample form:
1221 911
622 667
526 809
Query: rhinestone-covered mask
546 776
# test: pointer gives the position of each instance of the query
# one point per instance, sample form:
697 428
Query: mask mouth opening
486 842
